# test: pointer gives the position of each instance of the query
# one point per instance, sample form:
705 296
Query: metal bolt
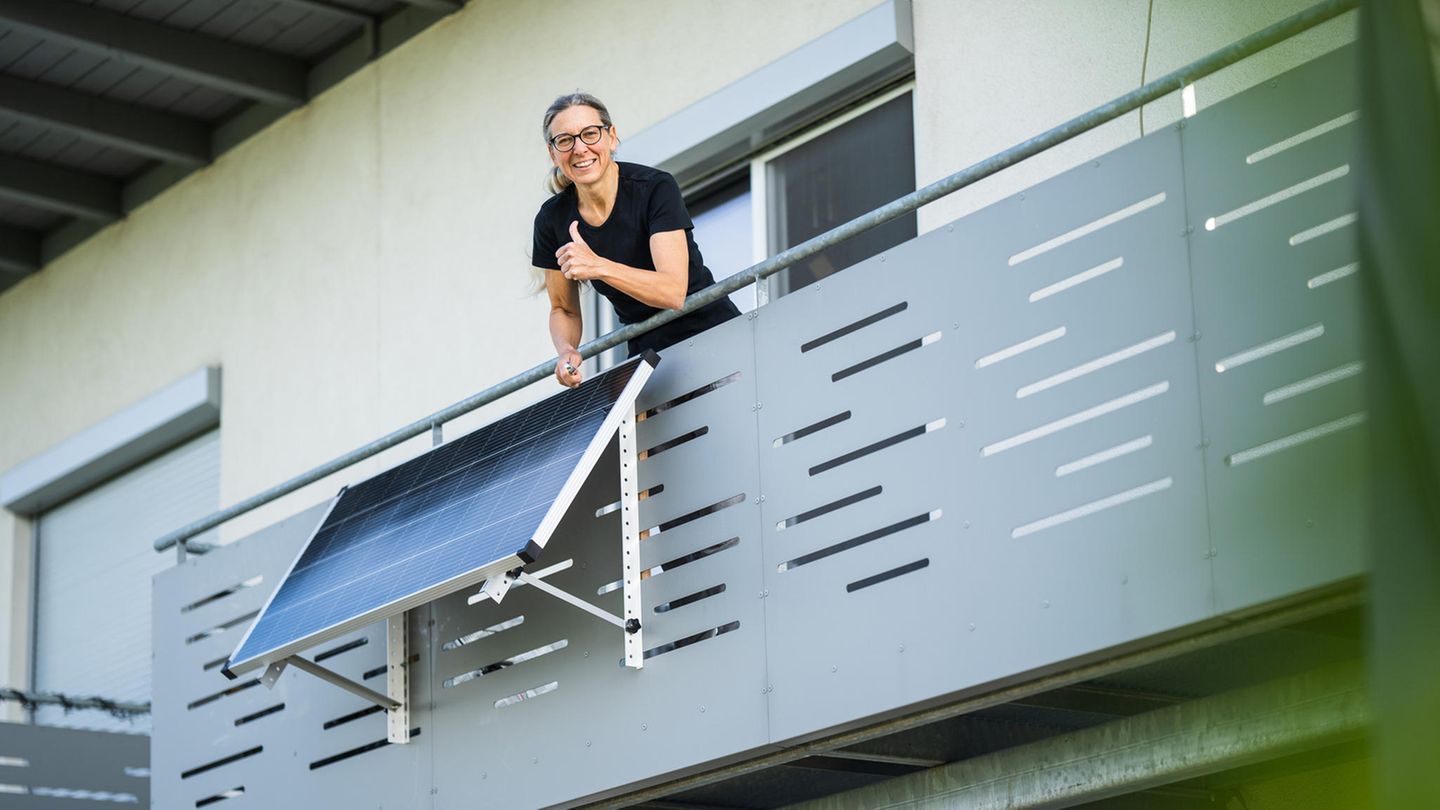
765 593
1189 229
752 315
759 405
816 288
972 626
1022 195
902 648
834 668
950 228
689 343
587 743
762 499
1204 443
1309 524
702 709
956 325
534 760
434 791
882 257
961 423
644 727
1045 604
587 653
966 525
1195 337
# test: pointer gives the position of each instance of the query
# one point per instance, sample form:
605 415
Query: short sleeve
667 208
542 250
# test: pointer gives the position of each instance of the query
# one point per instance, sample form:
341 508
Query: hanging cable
115 708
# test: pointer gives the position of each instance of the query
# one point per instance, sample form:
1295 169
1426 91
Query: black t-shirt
647 202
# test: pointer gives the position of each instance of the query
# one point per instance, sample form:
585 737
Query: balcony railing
1120 407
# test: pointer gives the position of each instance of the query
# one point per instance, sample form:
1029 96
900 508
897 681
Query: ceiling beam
19 251
445 6
204 60
137 130
336 10
61 190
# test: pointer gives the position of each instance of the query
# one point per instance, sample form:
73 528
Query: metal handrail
1169 83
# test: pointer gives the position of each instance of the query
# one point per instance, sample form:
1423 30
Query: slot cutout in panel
1091 508
1095 365
218 595
222 762
265 712
470 638
673 443
929 427
671 565
825 509
355 752
1309 384
352 717
1264 350
342 648
854 327
222 627
690 599
1076 280
520 697
1308 135
886 576
1021 347
859 540
816 427
1295 439
1333 275
687 396
898 351
232 793
223 693
514 660
1278 197
681 643
692 516
1087 229
1077 418
1323 228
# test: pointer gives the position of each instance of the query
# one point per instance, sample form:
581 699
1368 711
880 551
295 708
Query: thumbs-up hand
577 261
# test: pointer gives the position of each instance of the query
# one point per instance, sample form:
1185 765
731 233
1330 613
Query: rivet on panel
644 727
882 257
1309 524
1022 195
1045 604
960 423
950 228
902 648
702 709
966 525
834 668
972 626
534 760
587 743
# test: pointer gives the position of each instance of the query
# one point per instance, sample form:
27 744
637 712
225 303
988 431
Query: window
93 567
821 178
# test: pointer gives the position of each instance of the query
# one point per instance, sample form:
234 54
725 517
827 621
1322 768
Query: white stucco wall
360 263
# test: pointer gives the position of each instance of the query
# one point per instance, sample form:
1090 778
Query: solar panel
476 507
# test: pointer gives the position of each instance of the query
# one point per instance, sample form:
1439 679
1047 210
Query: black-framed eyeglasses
565 141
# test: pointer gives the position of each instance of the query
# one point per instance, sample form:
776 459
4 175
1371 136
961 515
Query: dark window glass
836 177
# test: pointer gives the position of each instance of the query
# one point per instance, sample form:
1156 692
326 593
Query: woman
622 227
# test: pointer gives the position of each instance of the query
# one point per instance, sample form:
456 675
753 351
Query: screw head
702 709
972 626
1045 604
834 668
902 648
644 726
587 743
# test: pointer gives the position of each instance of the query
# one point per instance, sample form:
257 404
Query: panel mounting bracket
496 587
272 674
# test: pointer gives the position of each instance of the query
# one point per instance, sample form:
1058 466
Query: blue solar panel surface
461 507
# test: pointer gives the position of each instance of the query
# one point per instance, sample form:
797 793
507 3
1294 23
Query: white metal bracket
397 678
496 587
630 541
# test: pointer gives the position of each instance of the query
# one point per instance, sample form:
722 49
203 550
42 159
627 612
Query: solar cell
480 505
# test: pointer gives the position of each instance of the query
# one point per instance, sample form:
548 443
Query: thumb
575 232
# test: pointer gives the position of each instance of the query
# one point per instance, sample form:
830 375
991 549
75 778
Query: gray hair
556 181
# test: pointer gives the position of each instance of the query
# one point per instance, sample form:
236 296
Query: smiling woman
622 227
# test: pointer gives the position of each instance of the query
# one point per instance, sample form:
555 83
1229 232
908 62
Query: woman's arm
565 326
664 288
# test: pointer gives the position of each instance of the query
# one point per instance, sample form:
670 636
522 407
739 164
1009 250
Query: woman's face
586 163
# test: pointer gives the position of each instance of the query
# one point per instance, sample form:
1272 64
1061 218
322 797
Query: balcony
1094 451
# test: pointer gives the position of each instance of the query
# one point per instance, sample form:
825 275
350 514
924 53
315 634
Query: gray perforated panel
208 728
1287 479
1030 554
1000 447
